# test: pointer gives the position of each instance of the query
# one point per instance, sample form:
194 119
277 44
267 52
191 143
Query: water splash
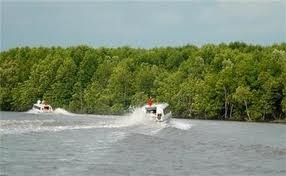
60 111
32 111
60 119
63 112
180 124
27 126
135 118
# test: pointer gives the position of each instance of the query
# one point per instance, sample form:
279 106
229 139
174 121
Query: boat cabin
161 112
42 107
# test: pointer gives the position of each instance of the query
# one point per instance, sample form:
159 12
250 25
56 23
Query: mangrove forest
234 81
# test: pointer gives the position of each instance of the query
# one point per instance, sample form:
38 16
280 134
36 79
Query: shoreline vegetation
235 81
278 121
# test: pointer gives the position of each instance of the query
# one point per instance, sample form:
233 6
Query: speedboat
42 106
160 112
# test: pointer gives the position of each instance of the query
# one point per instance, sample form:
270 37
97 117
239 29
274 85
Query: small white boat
42 107
160 112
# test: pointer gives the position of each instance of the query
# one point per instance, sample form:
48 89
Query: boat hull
42 108
42 111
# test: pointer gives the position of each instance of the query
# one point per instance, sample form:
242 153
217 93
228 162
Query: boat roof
40 105
157 105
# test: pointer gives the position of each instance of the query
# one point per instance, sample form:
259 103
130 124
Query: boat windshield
167 110
46 107
36 107
150 110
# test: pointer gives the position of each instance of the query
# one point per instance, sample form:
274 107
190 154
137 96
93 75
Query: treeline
233 81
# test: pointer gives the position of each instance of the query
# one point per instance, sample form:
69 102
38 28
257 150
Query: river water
65 144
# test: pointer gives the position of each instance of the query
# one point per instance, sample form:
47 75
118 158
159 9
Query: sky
143 24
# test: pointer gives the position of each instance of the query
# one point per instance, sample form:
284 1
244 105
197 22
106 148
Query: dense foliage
227 81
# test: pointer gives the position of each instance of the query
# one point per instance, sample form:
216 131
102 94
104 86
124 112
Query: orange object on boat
150 101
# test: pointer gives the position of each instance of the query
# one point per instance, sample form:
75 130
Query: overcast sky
141 23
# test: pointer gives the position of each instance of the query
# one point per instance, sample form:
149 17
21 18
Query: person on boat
150 101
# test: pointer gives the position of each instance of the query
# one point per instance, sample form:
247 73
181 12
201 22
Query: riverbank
280 121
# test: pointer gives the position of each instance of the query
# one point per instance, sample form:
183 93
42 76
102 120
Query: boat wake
176 123
56 111
63 112
32 111
60 120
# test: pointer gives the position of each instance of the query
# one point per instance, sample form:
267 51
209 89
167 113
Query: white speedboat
160 112
42 107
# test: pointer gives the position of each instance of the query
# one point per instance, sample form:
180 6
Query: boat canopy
151 109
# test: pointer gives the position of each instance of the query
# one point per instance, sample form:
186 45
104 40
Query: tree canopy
235 81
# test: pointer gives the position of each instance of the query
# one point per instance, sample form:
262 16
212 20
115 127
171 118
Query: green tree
96 99
225 87
243 95
120 87
85 72
60 92
167 87
40 81
224 81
